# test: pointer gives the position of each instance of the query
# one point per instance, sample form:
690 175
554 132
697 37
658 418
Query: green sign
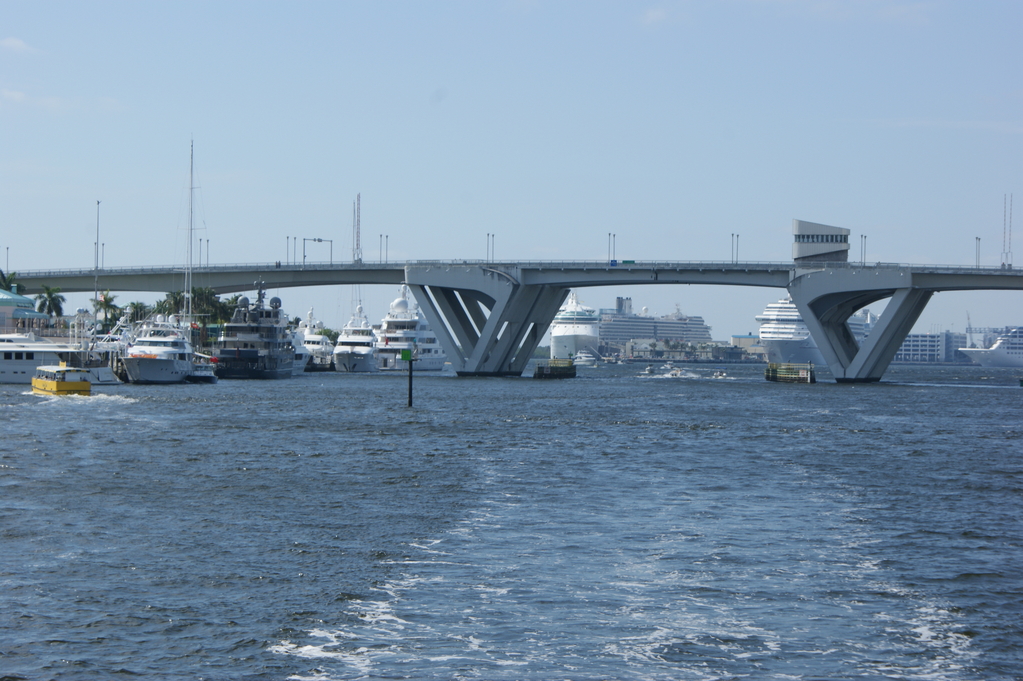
406 355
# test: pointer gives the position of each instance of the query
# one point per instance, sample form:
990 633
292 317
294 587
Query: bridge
490 316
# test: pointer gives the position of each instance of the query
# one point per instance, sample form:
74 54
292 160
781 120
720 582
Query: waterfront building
932 348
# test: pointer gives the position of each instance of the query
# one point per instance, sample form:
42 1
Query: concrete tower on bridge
819 243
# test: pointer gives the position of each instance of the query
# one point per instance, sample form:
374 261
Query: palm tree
173 303
206 305
7 281
227 308
139 311
51 301
106 305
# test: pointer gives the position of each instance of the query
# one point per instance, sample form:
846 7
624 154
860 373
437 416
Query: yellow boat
61 380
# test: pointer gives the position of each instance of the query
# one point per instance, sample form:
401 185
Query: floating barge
555 368
790 373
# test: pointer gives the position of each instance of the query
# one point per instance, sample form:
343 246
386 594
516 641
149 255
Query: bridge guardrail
541 264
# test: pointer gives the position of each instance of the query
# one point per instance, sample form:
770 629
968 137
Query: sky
672 126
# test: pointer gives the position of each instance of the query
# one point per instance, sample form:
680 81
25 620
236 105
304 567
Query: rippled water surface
610 526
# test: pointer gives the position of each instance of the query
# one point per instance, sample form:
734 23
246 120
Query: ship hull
354 363
992 359
566 346
792 351
157 370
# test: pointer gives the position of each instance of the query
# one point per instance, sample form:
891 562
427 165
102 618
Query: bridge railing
538 264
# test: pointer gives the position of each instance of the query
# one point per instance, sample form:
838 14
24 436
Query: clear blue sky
672 125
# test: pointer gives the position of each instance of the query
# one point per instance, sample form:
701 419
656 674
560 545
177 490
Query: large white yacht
161 353
575 328
405 328
21 353
785 338
1007 351
355 351
317 345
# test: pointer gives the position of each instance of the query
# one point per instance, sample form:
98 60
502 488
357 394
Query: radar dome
275 303
399 305
243 302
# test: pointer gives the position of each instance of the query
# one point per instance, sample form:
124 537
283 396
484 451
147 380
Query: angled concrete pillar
488 322
827 297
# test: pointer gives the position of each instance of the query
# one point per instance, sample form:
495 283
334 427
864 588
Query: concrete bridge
490 316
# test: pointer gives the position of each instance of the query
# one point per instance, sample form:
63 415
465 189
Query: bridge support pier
827 298
488 321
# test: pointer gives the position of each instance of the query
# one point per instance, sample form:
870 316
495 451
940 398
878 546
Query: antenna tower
357 228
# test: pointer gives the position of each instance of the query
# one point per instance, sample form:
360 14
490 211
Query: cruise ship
785 338
575 328
1007 351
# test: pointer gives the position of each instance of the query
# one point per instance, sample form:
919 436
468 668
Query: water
610 526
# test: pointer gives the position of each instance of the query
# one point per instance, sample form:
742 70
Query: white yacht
317 346
405 328
21 353
355 351
575 328
785 338
161 352
1007 351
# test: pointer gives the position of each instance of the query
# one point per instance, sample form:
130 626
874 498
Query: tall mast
188 266
357 256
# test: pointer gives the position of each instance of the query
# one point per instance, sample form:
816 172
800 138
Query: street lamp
95 291
978 252
319 241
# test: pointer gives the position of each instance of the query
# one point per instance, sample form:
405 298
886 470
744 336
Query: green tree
139 310
105 305
7 280
206 305
227 308
50 301
173 303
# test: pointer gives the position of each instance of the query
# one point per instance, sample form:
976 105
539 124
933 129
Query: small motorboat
61 380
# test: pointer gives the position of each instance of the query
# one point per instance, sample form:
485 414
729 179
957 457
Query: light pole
207 254
387 242
737 248
380 249
614 246
103 257
488 247
609 247
287 250
95 289
978 252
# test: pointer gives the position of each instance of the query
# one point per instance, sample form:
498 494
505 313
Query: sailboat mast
188 267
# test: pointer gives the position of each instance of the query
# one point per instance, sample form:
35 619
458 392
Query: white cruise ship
405 328
1006 352
785 338
575 328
